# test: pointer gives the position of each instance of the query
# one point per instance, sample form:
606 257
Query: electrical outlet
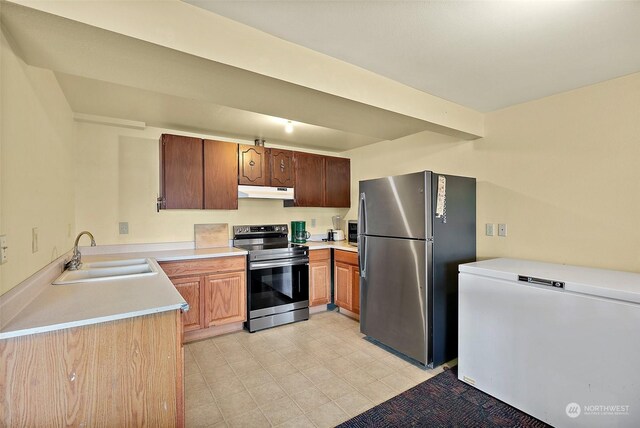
124 228
502 230
313 222
34 240
490 229
4 257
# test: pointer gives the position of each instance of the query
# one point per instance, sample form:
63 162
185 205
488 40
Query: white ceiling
108 74
482 54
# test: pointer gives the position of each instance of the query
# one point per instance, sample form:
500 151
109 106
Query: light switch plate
490 229
502 230
34 240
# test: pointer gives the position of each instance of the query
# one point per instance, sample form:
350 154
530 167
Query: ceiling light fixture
288 128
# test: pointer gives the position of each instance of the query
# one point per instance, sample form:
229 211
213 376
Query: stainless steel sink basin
107 270
113 263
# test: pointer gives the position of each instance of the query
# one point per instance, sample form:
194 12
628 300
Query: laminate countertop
336 245
57 307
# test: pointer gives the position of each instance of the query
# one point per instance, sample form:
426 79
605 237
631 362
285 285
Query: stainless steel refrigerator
414 230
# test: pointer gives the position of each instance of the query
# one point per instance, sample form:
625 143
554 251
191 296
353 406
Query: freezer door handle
362 256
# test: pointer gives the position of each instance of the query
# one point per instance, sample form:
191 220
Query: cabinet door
224 298
343 290
181 179
355 289
309 181
319 282
338 182
251 165
220 175
189 288
281 162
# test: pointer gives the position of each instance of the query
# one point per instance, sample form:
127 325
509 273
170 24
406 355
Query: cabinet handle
251 163
282 165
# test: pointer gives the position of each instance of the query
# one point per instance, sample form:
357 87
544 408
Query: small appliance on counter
336 234
299 234
352 233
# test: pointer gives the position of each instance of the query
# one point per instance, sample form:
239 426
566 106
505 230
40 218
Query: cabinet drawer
319 255
348 257
204 266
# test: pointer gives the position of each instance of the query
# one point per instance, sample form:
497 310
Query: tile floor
315 373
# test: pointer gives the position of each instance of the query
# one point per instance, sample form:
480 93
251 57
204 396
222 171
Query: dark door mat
443 401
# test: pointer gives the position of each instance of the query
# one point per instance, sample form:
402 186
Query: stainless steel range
277 276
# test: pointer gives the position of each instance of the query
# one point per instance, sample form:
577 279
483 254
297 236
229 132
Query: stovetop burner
267 242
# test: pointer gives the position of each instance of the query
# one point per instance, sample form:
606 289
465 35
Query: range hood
263 192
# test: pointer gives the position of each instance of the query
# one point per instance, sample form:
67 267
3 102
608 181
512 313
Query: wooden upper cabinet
337 182
309 180
281 168
181 172
252 165
220 175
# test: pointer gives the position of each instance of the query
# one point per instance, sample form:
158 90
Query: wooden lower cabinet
225 298
347 281
319 277
120 373
355 289
215 290
189 288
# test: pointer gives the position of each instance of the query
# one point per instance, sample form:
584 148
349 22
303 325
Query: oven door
277 286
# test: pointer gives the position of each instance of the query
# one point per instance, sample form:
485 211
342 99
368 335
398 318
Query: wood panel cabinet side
101 374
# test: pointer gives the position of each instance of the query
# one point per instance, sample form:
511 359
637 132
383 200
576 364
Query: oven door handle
267 265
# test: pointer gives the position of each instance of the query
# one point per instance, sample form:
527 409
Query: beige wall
117 180
36 180
562 172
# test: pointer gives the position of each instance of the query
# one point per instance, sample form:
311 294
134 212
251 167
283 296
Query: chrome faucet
76 259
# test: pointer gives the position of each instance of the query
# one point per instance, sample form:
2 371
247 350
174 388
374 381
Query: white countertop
336 245
578 279
74 305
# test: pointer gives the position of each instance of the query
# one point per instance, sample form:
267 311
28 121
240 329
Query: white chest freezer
561 343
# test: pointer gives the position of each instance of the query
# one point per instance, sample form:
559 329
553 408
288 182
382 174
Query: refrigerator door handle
362 215
362 256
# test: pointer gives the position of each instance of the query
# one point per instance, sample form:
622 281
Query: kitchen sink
107 270
113 263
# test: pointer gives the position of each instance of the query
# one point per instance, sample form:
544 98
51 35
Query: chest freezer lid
605 283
